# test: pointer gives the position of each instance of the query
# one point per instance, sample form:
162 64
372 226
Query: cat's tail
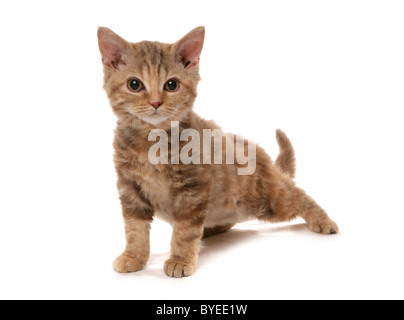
286 159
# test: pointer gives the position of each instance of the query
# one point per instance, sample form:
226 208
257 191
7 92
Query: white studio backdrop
329 73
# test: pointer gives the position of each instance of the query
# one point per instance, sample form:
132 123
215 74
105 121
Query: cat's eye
135 85
172 85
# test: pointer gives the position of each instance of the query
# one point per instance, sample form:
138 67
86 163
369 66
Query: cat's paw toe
178 269
125 264
325 227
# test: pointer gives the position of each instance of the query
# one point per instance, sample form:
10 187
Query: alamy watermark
226 148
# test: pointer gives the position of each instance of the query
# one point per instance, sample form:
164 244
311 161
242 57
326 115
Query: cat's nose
156 104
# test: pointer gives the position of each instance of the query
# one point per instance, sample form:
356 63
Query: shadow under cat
228 240
215 245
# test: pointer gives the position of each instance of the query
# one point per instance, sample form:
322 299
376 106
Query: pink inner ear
111 47
190 53
190 47
111 54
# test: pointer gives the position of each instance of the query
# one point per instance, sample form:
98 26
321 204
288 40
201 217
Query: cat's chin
154 119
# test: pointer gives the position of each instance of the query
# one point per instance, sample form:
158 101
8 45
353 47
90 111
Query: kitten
149 85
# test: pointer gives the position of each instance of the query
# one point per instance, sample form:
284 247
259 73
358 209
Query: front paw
178 269
125 264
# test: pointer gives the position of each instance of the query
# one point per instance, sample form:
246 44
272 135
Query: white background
329 73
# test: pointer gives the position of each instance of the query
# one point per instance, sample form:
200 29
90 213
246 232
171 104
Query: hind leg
286 202
208 232
316 218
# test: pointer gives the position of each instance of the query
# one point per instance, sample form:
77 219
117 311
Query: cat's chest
156 187
154 179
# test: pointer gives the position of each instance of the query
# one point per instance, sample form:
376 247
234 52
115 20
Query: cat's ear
112 48
189 48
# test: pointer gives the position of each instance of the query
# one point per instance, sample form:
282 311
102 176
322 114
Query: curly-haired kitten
149 85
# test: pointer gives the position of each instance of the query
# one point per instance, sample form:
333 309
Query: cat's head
151 81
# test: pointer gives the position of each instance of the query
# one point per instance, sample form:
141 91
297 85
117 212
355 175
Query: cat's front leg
138 215
185 242
137 251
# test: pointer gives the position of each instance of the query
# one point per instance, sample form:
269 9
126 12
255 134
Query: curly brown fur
198 199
